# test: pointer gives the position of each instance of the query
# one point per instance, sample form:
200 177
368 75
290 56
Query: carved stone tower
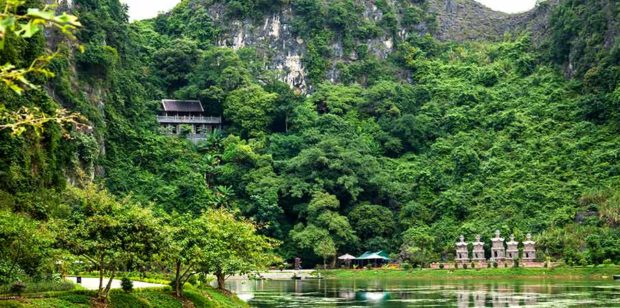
478 252
513 250
498 252
529 249
461 251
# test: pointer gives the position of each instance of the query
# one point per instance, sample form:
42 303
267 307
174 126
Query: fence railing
189 119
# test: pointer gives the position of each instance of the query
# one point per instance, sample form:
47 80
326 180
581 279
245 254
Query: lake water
410 293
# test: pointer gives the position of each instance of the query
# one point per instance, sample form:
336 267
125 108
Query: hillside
288 37
356 125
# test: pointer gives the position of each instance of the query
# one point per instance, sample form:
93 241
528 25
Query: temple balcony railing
188 120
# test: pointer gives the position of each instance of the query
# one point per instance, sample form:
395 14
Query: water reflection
390 293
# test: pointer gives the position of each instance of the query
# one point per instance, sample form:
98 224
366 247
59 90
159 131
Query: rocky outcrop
274 39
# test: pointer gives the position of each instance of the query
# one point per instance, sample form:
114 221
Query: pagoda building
187 118
529 248
462 254
478 252
498 252
513 249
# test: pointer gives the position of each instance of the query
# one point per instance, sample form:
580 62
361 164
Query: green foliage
250 110
403 150
109 233
25 246
233 246
126 284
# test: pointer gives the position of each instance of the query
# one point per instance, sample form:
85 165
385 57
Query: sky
142 9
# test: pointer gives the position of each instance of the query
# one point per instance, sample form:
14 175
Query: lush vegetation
146 298
401 153
560 273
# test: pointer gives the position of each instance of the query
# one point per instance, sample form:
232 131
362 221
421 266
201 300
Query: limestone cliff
275 38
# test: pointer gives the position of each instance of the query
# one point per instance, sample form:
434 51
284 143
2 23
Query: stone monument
529 249
498 252
461 251
478 252
513 249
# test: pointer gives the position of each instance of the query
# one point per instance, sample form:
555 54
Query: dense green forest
402 153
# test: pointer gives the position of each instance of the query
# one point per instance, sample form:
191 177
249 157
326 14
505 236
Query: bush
126 284
193 280
405 266
515 263
583 261
495 265
488 265
473 265
441 266
18 288
608 262
464 265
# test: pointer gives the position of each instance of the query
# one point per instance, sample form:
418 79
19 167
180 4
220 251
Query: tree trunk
221 279
177 280
99 291
109 286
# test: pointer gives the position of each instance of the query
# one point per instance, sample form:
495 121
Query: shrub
126 284
18 288
464 265
193 280
583 261
456 265
505 264
515 263
495 265
441 266
608 262
473 265
488 265
406 266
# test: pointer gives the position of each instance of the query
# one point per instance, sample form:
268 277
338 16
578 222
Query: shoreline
602 273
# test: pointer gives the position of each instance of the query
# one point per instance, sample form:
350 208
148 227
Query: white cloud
143 9
509 6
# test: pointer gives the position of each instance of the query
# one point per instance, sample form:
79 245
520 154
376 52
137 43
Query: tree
233 246
187 246
15 23
325 249
110 234
176 62
25 245
250 109
324 224
371 220
417 245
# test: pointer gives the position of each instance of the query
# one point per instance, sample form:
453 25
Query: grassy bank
199 298
571 273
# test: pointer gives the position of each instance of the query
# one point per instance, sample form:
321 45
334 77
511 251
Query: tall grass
40 286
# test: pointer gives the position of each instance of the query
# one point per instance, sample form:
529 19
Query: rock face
274 39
